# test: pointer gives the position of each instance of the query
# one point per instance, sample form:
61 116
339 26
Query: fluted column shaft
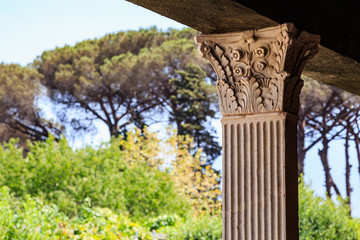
258 87
259 186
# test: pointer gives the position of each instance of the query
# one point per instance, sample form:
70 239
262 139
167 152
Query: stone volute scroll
259 70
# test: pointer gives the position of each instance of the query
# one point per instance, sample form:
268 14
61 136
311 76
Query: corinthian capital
259 70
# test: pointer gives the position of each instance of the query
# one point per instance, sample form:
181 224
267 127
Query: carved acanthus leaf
253 67
227 100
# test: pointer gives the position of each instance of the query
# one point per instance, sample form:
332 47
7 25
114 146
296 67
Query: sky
30 27
27 28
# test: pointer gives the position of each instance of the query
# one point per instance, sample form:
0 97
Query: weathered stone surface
260 177
259 70
258 86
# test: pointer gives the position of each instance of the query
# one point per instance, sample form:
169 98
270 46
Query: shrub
162 221
323 219
124 187
32 219
108 176
202 227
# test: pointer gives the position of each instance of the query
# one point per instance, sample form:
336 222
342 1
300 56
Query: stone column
258 87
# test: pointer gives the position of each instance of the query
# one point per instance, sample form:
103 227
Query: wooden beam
214 16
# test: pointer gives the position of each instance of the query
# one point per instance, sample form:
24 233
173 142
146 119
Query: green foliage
67 178
323 219
192 102
109 177
124 187
12 167
121 79
204 227
32 219
27 219
200 184
19 89
162 221
93 193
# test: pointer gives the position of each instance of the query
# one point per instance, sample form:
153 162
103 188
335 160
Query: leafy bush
323 219
203 227
124 187
31 219
126 181
162 221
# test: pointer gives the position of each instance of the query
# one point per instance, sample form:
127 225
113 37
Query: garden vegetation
140 182
135 184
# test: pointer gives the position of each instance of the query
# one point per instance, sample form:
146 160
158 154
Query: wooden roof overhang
337 22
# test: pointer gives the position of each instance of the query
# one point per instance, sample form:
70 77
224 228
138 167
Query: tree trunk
357 147
329 182
347 166
324 160
114 132
301 147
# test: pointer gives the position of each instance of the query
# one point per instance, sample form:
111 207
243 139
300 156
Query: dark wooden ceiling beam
215 16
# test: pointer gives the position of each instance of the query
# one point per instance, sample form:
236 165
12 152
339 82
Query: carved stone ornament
259 70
